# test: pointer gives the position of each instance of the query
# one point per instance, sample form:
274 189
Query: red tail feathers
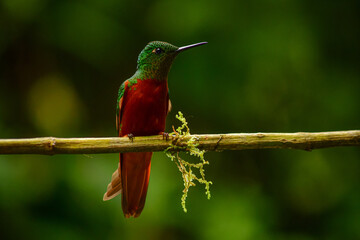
132 180
135 173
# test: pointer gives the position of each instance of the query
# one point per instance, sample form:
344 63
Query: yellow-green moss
185 167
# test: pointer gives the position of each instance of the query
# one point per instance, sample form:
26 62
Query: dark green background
271 66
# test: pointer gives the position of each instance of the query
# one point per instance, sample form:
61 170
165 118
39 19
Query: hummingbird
142 106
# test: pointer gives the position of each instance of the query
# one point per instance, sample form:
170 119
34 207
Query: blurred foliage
279 66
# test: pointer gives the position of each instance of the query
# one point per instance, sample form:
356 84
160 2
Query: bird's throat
154 71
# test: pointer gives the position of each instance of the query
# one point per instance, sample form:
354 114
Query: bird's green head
156 58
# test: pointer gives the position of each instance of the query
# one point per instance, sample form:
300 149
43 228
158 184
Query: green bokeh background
272 66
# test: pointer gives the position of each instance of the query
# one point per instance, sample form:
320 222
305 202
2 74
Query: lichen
185 167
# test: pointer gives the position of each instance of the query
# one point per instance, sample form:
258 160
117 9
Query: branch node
308 146
52 145
260 135
218 142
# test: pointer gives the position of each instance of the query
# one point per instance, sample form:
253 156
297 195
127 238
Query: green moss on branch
186 168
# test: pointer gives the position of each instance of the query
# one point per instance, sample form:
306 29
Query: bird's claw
131 137
165 135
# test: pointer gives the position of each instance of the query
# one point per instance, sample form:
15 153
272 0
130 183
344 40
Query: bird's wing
115 186
119 106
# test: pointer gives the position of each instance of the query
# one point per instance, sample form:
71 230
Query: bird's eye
157 51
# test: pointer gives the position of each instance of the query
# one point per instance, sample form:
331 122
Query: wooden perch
210 142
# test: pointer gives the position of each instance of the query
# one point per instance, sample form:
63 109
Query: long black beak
180 49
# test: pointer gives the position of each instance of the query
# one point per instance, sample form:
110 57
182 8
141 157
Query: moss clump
186 168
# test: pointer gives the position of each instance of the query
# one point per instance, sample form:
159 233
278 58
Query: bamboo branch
211 142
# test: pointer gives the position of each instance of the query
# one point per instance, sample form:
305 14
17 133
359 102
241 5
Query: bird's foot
131 137
165 135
